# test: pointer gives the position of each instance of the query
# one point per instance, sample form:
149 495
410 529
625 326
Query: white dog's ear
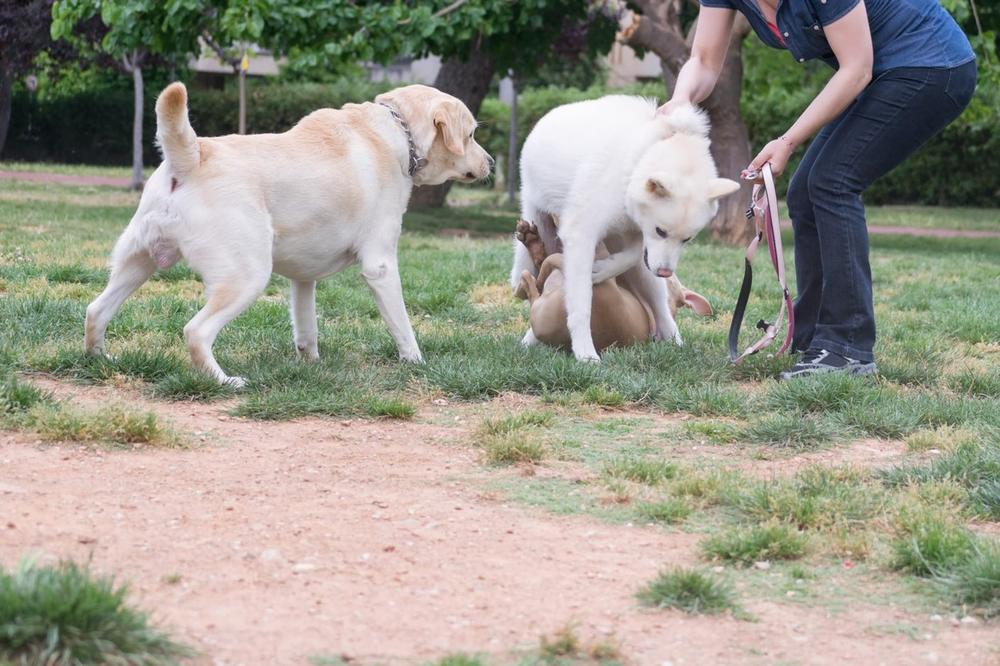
656 187
720 187
448 122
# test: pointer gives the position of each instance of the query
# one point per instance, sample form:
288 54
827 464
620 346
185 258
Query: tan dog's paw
528 234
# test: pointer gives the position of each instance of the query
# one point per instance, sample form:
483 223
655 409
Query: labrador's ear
448 121
720 187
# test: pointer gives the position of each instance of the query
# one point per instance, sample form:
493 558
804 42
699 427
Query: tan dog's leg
305 330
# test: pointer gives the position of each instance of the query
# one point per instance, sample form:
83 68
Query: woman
904 70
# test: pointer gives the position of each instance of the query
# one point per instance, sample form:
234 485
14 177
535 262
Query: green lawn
938 306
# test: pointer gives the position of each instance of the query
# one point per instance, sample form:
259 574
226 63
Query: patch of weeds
507 424
798 572
689 590
65 615
707 488
816 498
915 367
172 579
114 424
974 465
977 384
792 431
393 408
191 385
714 432
562 643
669 512
640 470
513 448
821 394
513 439
18 397
746 545
884 419
975 582
928 542
704 400
941 438
603 397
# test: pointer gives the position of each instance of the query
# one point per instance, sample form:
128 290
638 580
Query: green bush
961 166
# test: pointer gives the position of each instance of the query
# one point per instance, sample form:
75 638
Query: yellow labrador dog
307 203
620 314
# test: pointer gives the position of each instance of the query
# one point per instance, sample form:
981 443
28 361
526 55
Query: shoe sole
859 369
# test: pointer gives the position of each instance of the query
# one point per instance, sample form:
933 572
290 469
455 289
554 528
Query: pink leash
763 211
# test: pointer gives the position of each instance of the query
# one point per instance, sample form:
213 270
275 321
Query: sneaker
821 361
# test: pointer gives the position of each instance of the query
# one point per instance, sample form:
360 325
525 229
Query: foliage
65 615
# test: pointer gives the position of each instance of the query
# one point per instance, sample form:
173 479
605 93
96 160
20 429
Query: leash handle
763 211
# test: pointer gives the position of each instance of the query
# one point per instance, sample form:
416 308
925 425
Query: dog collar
416 162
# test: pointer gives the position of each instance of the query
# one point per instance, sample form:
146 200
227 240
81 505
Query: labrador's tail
174 133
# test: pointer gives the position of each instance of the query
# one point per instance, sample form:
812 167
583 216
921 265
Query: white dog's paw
529 339
411 356
588 358
234 382
604 269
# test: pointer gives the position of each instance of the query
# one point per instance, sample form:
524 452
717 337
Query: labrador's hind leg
131 267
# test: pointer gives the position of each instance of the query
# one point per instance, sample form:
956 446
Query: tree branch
221 52
646 33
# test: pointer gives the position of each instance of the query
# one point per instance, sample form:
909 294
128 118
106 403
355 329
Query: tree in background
136 32
488 36
24 33
666 27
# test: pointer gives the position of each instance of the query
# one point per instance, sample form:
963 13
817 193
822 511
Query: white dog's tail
174 133
687 119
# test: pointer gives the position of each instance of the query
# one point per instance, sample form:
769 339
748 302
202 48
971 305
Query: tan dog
328 193
619 317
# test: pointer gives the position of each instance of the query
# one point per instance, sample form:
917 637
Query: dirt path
376 540
64 179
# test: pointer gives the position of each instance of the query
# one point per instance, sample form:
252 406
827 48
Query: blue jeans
896 114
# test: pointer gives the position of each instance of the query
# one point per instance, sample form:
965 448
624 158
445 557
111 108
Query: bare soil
268 543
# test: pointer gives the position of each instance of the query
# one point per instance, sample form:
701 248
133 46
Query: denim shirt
905 33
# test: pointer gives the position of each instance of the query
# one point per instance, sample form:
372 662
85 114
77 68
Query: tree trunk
512 142
6 99
730 146
468 80
137 123
243 100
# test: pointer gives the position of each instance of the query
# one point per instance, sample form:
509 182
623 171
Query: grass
649 472
746 545
689 590
975 581
669 512
514 439
65 614
687 416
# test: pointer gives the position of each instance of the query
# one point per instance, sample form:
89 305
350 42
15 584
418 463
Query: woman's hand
776 152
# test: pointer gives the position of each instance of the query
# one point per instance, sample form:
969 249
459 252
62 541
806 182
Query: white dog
610 169
305 204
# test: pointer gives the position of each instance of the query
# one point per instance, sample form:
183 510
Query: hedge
961 166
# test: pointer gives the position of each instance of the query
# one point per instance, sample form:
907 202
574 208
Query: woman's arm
699 74
851 41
